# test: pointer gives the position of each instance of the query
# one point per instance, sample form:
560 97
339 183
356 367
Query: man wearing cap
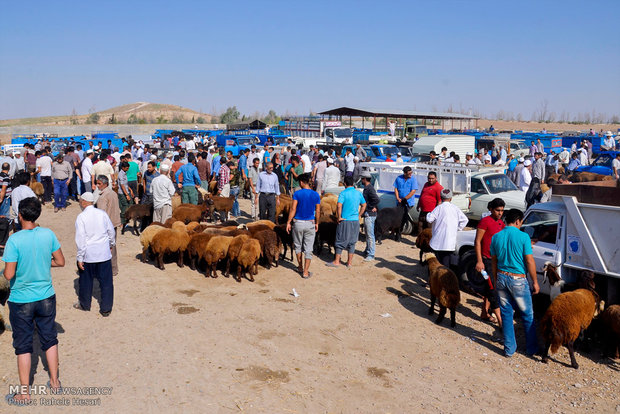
525 176
162 190
62 174
446 219
609 144
108 202
405 187
94 238
370 215
19 162
332 175
469 157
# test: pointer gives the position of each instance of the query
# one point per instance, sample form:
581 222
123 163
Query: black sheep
142 212
391 219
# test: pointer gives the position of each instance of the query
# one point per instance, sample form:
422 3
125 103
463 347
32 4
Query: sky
297 57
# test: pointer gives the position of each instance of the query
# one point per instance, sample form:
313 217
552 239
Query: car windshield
541 226
343 133
499 183
604 160
245 141
391 151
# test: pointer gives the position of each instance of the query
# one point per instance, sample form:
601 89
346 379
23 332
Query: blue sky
300 56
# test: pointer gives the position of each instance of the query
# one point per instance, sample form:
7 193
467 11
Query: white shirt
94 236
87 166
447 220
17 195
615 164
583 156
163 190
45 163
564 157
485 158
332 177
525 179
307 163
472 161
350 161
190 145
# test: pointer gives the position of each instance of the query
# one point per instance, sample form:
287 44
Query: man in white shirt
94 238
18 194
332 175
87 166
486 158
305 160
190 145
44 168
162 189
470 159
610 143
525 177
447 219
349 160
615 165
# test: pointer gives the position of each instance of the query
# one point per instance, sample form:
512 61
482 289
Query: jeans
25 316
234 192
5 207
514 292
60 193
369 224
102 271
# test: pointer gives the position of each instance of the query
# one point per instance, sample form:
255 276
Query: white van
460 144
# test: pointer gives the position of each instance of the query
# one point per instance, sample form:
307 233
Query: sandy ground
178 341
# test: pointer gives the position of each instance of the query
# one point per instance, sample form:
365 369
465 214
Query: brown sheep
329 204
146 237
170 222
192 225
216 250
255 229
267 223
5 291
221 205
568 315
583 177
174 240
248 259
284 206
157 223
423 241
234 249
189 212
610 324
176 201
141 212
286 238
444 285
37 188
197 247
270 246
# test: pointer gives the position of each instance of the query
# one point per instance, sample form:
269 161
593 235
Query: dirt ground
178 341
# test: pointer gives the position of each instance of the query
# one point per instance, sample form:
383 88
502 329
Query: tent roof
366 112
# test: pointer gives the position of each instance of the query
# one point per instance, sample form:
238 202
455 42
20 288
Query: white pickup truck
576 231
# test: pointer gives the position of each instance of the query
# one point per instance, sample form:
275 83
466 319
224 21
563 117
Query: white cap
330 160
527 163
164 167
521 159
89 151
153 157
399 153
469 153
608 134
88 197
356 158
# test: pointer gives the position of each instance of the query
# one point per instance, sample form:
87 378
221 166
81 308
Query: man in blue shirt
216 164
512 258
305 210
574 162
351 207
28 256
269 193
191 180
405 187
243 169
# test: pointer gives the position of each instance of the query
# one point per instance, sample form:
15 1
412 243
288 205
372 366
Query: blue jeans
234 192
369 224
514 292
5 207
24 317
101 271
60 193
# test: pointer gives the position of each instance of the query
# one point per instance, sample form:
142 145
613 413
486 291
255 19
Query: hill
134 113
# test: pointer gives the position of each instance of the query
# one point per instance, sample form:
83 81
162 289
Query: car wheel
407 228
469 280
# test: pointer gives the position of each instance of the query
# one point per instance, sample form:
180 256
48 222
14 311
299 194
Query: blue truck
602 163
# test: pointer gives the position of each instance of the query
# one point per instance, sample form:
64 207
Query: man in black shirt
370 215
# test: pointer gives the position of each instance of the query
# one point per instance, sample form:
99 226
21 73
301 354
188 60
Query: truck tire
407 227
469 280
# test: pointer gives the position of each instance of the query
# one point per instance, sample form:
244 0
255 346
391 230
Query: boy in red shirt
430 197
487 228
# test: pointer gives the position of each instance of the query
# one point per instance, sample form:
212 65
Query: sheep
192 225
5 291
329 204
170 222
216 250
213 187
146 237
568 315
255 229
390 219
157 223
267 223
284 206
197 247
248 258
37 188
582 177
286 238
176 201
423 241
326 233
610 324
142 212
558 285
190 212
444 285
234 249
270 245
174 240
221 205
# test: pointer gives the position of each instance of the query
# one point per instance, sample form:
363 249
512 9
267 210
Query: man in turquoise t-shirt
132 177
512 259
351 206
28 256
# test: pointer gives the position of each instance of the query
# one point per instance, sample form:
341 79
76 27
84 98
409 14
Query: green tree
133 119
231 115
160 120
112 120
178 120
201 120
271 118
93 118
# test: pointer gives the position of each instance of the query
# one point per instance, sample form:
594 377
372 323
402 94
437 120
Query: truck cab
487 185
339 135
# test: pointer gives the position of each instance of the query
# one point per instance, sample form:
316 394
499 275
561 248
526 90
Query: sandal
490 318
307 277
